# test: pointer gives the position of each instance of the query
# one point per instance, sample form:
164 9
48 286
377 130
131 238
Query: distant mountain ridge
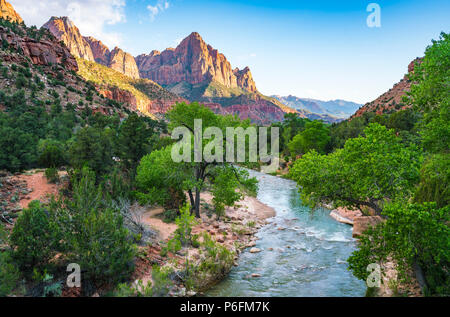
193 71
339 109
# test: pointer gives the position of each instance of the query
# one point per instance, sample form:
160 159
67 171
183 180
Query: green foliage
225 184
50 153
182 237
159 181
92 147
315 136
218 259
9 273
435 181
52 175
194 175
95 235
158 287
35 237
133 141
18 147
431 95
365 172
412 233
185 221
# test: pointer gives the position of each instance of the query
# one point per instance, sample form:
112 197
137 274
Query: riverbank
235 231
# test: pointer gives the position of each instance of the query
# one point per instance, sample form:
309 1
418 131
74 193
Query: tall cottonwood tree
193 175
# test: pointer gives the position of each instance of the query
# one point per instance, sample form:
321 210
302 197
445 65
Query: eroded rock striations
64 30
194 62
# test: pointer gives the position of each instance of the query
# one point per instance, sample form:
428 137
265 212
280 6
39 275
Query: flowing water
308 256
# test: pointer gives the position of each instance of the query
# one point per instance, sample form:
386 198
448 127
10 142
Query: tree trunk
197 202
191 198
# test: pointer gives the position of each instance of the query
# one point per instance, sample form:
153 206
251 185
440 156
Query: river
308 256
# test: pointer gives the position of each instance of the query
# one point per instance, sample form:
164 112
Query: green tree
431 94
192 176
50 153
368 171
35 237
315 136
412 233
92 147
133 141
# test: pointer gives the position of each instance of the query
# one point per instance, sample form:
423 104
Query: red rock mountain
198 72
64 30
392 100
41 52
91 49
7 12
193 62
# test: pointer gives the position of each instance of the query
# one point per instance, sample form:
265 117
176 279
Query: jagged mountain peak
90 48
193 62
7 12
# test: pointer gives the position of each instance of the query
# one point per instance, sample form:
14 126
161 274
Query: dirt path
41 188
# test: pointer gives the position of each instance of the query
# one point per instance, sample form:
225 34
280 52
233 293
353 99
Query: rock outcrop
7 12
99 50
245 79
64 30
362 223
90 48
43 52
194 62
123 62
392 100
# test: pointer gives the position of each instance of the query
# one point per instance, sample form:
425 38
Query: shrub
35 237
412 233
52 175
50 153
95 234
9 274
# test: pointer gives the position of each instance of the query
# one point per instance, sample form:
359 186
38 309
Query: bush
51 153
35 237
52 175
9 274
412 233
95 234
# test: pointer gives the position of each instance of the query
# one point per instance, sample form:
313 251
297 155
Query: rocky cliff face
90 48
194 62
7 12
99 50
64 30
43 52
392 100
123 62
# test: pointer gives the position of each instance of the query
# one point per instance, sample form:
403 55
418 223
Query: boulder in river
255 250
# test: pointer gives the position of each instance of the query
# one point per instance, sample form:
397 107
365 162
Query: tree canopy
367 171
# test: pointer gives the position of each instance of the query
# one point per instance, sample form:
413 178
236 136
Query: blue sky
317 49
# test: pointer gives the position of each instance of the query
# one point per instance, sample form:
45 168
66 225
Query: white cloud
90 16
159 7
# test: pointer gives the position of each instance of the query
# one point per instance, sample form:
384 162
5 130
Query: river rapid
303 253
